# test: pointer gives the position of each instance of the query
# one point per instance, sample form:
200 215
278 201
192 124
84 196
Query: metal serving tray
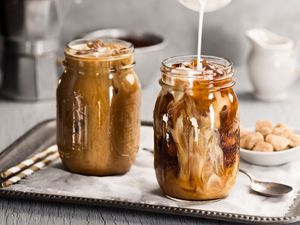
43 135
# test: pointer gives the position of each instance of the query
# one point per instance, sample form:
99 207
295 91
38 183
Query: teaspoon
270 189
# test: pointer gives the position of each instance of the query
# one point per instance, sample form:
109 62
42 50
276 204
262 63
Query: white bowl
271 158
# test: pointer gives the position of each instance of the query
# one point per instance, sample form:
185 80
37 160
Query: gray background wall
223 29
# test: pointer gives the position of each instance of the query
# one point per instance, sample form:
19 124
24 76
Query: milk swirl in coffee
196 126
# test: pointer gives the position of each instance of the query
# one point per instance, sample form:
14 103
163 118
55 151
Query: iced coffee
196 129
98 107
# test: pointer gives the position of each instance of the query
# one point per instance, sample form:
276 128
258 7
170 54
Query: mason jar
98 107
196 129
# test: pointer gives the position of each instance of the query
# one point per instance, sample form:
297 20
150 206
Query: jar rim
71 50
188 77
166 66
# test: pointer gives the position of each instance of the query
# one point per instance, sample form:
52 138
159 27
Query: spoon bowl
269 189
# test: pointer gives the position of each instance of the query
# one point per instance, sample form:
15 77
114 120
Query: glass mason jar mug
196 129
98 107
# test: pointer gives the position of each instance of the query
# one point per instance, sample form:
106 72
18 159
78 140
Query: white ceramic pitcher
272 64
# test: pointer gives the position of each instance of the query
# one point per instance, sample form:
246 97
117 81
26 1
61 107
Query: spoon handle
251 177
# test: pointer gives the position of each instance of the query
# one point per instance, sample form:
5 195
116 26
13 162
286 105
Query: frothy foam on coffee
97 48
209 70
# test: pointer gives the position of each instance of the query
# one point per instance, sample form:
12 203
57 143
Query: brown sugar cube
282 131
265 131
249 140
294 140
279 143
264 127
243 142
243 132
263 147
280 125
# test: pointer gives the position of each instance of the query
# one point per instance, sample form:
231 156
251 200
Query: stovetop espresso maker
30 30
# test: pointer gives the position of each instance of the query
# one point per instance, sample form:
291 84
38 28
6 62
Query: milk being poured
202 6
